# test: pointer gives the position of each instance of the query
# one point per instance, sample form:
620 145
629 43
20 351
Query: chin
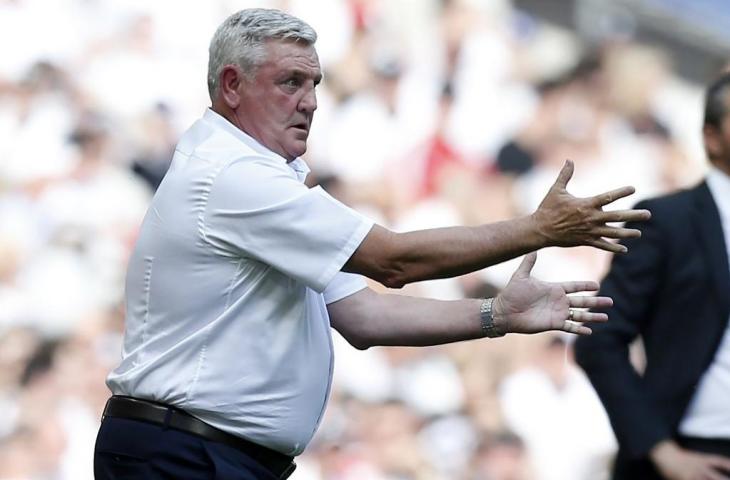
296 151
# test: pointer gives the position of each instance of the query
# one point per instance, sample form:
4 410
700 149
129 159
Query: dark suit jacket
673 289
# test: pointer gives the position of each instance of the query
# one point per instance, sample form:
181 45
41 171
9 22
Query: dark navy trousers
131 449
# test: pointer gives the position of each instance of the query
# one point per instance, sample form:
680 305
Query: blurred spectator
156 140
500 457
553 408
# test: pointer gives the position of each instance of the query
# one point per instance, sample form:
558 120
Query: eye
293 83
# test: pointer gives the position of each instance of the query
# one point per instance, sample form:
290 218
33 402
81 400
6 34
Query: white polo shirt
227 289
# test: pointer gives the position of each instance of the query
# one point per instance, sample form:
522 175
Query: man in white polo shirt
240 271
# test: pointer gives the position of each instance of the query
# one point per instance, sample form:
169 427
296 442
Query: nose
308 102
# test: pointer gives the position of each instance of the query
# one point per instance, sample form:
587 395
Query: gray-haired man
240 270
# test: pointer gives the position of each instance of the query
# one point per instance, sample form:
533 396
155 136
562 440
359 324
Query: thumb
566 173
526 266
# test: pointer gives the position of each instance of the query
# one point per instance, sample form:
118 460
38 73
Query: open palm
529 305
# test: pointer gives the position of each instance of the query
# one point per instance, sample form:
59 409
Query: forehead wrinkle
304 62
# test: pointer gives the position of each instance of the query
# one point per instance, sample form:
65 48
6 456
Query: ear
231 78
712 140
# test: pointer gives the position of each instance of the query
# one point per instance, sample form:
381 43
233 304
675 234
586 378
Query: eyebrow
303 73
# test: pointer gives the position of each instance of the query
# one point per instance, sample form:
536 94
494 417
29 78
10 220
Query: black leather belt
172 417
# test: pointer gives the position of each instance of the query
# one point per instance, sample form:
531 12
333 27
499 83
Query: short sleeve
258 208
343 285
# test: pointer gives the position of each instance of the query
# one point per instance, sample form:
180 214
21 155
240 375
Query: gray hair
241 38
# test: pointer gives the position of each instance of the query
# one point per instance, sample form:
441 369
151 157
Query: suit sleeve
634 282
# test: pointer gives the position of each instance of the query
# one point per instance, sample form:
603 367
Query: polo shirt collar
298 165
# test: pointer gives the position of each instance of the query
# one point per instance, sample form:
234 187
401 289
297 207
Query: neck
226 113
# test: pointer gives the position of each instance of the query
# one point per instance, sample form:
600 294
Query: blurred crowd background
432 113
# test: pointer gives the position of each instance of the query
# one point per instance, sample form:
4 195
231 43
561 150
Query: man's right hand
568 221
676 463
529 305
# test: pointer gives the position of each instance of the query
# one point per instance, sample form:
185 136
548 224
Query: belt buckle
288 471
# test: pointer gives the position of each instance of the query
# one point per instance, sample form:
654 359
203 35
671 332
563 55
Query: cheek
280 105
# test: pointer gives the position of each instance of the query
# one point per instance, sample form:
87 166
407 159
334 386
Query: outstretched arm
526 305
396 259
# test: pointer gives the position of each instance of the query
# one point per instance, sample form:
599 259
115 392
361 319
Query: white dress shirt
227 289
708 415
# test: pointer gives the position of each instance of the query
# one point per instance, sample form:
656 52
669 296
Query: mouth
304 126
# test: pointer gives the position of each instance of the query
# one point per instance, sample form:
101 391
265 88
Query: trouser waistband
172 417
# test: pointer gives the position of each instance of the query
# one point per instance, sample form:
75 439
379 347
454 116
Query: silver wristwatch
485 314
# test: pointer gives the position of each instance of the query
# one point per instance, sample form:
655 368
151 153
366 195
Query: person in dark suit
672 289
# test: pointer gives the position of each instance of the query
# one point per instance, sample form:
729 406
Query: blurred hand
676 463
568 221
528 305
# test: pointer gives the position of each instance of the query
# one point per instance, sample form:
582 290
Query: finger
632 215
713 475
574 327
526 266
616 232
565 174
608 246
720 462
612 196
585 316
590 302
574 287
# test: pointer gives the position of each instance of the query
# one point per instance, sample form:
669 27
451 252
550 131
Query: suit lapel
712 240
